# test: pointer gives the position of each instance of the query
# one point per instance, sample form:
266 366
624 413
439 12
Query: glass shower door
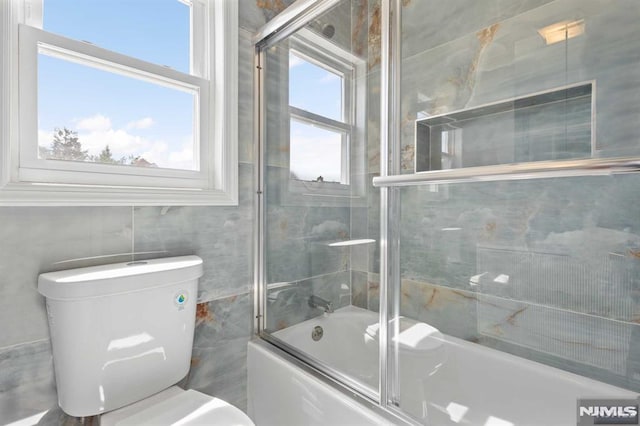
518 299
320 220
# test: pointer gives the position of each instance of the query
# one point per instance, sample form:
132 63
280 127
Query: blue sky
132 116
314 89
154 30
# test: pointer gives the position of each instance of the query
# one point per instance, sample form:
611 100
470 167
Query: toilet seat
175 406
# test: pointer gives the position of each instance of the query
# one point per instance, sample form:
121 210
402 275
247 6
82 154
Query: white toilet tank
120 332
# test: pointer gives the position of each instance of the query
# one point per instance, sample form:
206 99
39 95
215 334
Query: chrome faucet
320 303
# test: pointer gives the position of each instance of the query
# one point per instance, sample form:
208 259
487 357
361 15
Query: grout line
228 296
133 243
18 345
477 295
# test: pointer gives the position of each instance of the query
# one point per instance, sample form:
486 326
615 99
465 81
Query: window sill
25 194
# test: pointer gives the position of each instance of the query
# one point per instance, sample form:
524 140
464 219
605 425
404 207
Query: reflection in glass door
319 210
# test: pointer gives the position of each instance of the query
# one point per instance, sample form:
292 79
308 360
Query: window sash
342 73
322 122
33 41
198 36
311 117
308 47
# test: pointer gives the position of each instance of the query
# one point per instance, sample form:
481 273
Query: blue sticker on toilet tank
180 299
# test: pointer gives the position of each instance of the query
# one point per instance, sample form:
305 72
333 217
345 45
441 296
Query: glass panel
521 291
320 238
316 153
153 30
90 115
314 88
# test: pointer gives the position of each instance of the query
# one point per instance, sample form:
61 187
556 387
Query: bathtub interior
343 344
446 380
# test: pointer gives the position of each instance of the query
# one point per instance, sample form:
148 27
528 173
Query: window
316 153
319 126
323 116
144 114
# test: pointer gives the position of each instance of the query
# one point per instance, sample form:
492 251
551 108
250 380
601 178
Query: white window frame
27 180
323 53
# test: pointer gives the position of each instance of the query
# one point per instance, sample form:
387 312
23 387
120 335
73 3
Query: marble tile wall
547 265
288 304
360 289
218 364
497 54
297 235
222 236
35 240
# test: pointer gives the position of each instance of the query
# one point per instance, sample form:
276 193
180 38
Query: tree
66 146
44 152
106 157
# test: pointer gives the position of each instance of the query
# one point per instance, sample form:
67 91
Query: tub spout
320 303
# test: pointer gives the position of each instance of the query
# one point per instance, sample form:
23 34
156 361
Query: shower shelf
556 124
508 123
505 172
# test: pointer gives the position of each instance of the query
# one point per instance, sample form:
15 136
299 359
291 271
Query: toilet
122 336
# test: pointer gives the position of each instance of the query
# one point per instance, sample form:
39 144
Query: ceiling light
562 31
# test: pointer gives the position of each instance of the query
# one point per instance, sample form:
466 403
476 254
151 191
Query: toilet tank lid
104 280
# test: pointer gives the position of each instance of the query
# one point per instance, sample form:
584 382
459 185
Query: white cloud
315 153
184 158
45 137
143 123
96 132
124 144
95 123
120 142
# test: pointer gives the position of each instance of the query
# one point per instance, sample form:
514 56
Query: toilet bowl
175 406
122 336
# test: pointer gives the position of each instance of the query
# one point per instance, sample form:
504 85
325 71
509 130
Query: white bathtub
443 380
